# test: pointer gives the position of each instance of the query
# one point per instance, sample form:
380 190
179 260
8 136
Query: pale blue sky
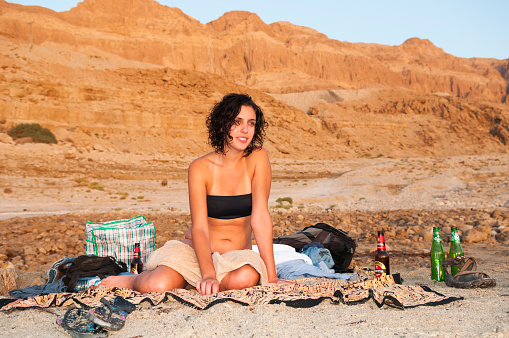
468 28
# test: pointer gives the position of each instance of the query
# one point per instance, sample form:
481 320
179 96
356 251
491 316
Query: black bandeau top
229 207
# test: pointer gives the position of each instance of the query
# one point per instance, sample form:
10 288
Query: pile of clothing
313 260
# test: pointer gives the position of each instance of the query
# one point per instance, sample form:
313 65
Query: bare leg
244 277
160 279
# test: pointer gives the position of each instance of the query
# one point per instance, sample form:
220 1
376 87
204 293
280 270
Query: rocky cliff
139 75
276 58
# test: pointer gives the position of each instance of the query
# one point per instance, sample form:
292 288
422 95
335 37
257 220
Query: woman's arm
261 222
199 228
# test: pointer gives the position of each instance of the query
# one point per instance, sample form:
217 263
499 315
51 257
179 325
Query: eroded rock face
141 77
240 47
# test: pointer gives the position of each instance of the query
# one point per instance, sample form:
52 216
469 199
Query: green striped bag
117 238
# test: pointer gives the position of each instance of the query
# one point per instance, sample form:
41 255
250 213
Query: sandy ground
361 187
355 184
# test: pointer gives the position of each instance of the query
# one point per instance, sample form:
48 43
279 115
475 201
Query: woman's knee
244 277
161 280
155 285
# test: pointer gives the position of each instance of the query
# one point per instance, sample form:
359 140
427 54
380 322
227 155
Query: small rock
98 147
428 236
503 236
24 140
486 229
8 278
4 138
17 260
475 236
496 214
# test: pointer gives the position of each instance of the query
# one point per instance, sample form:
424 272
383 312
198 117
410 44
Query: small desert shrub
282 205
123 195
284 199
33 130
96 186
81 182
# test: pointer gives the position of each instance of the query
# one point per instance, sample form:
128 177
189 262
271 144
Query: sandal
468 277
76 323
113 316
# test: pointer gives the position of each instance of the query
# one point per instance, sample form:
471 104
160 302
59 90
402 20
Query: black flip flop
113 315
76 323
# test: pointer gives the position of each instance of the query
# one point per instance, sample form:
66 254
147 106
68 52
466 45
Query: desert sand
406 197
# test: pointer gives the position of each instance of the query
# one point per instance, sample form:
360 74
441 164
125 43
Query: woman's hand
208 286
281 281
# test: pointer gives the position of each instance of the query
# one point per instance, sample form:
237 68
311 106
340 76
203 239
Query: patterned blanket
305 293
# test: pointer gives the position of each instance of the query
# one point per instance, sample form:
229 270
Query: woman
228 197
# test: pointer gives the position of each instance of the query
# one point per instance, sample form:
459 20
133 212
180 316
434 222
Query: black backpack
341 246
90 266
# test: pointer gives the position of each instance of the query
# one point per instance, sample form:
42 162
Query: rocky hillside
138 76
240 47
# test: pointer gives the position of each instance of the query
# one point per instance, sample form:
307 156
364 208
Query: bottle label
436 237
380 269
381 243
134 268
85 282
456 237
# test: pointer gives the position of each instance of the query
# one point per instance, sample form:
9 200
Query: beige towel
182 258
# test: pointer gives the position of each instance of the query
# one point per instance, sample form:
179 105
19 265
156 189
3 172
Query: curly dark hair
222 116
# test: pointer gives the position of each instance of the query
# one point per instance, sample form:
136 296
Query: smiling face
242 129
236 122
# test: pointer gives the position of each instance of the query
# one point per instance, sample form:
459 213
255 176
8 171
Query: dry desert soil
405 197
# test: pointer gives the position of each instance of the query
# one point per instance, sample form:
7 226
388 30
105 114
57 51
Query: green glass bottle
455 250
437 256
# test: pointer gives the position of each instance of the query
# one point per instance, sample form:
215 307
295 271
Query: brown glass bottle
382 265
137 263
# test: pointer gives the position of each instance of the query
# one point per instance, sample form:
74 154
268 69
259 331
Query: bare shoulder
259 156
201 163
259 161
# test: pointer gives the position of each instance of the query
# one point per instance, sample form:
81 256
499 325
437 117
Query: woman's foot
123 281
